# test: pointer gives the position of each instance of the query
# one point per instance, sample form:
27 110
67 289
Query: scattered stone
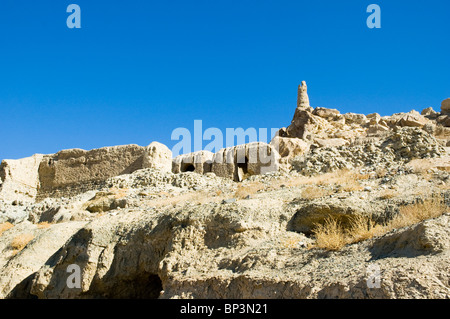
229 201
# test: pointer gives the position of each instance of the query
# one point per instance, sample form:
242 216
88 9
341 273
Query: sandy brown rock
20 179
445 106
70 168
158 156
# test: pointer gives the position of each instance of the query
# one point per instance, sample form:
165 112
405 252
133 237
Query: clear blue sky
138 69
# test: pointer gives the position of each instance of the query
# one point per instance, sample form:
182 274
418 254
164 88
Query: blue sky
138 69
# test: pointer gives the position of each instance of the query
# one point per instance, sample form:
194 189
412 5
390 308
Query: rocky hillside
356 206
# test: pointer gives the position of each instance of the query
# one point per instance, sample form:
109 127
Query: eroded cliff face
137 230
193 236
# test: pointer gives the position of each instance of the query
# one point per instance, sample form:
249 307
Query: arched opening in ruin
243 165
241 169
187 167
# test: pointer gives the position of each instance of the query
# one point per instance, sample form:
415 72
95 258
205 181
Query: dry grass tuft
389 193
330 235
43 225
341 177
19 242
5 226
333 235
291 242
415 213
362 228
312 192
244 190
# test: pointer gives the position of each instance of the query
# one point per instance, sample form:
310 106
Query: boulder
445 106
444 120
412 119
351 118
331 142
325 113
158 156
289 147
374 118
429 112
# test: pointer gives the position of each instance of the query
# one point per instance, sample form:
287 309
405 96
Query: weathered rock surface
20 179
70 168
157 156
289 147
233 224
445 106
241 161
198 162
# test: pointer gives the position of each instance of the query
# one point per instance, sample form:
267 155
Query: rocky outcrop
141 225
445 106
394 149
75 171
254 248
302 96
289 147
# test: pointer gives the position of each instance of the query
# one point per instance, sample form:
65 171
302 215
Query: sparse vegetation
5 226
245 190
388 194
19 242
332 234
312 192
420 211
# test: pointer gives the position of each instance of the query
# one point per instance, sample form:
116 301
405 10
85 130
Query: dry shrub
333 235
5 227
198 197
420 211
341 177
244 190
291 242
362 228
389 193
19 242
312 192
347 179
330 235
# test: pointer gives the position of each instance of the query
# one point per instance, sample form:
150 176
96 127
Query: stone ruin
198 162
70 172
235 162
74 171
